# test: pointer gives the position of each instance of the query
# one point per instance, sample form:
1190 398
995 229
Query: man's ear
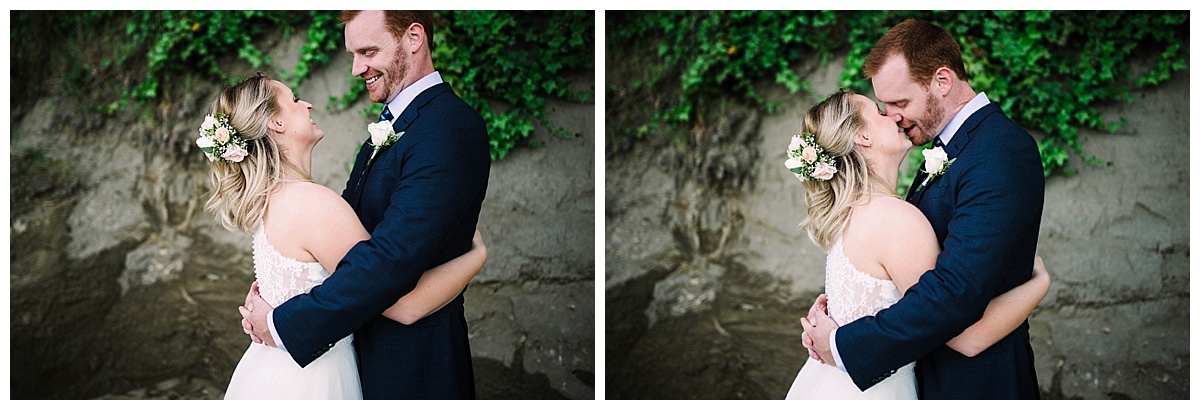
943 80
414 38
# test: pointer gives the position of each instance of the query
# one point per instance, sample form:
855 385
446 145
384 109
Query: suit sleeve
441 184
999 199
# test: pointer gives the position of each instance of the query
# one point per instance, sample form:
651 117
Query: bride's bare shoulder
307 199
884 212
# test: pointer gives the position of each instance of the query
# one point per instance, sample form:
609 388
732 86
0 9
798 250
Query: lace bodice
280 277
853 294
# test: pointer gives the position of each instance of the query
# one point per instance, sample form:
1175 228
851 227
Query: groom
420 200
986 209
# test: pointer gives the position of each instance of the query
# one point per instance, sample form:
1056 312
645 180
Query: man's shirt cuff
279 342
832 347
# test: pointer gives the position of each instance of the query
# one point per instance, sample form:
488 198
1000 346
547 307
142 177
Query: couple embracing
357 295
926 297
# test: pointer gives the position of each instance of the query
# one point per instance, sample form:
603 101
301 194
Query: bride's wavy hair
834 123
240 189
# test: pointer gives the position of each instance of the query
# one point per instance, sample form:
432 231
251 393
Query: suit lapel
362 170
961 138
413 110
912 196
353 187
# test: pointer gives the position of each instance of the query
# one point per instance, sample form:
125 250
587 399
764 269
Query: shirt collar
408 94
975 104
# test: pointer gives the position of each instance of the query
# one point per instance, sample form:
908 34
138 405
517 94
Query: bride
878 245
259 141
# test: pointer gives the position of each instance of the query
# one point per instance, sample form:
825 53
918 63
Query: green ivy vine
504 63
1049 70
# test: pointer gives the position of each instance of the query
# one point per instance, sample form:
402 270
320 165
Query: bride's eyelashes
295 98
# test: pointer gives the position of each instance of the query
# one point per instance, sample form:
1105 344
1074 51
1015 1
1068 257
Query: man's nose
358 67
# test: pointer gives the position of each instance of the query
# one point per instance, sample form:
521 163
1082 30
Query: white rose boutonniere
936 164
381 137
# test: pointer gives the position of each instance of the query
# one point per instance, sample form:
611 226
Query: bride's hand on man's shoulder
1039 268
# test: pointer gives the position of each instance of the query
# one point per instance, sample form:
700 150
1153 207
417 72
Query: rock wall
124 287
1114 325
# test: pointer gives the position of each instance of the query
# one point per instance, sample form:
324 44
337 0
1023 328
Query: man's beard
395 74
934 113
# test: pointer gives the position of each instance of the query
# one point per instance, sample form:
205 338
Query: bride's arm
340 230
440 285
1004 314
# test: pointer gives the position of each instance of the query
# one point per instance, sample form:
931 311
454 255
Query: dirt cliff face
124 287
705 285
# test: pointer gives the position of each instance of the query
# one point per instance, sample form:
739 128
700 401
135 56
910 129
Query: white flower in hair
808 161
219 141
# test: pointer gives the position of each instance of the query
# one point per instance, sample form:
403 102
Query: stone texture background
123 286
706 278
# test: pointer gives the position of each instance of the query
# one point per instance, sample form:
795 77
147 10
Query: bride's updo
834 123
240 189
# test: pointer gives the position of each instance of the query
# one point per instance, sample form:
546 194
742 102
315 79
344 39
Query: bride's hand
246 325
477 241
820 305
1039 269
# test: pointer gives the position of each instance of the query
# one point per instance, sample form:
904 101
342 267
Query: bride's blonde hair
834 123
240 189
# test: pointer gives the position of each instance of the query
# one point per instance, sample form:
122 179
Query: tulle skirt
270 373
818 381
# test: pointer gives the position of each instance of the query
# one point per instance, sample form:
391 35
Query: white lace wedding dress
270 373
852 294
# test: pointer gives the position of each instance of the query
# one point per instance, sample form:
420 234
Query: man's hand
254 317
819 305
818 331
